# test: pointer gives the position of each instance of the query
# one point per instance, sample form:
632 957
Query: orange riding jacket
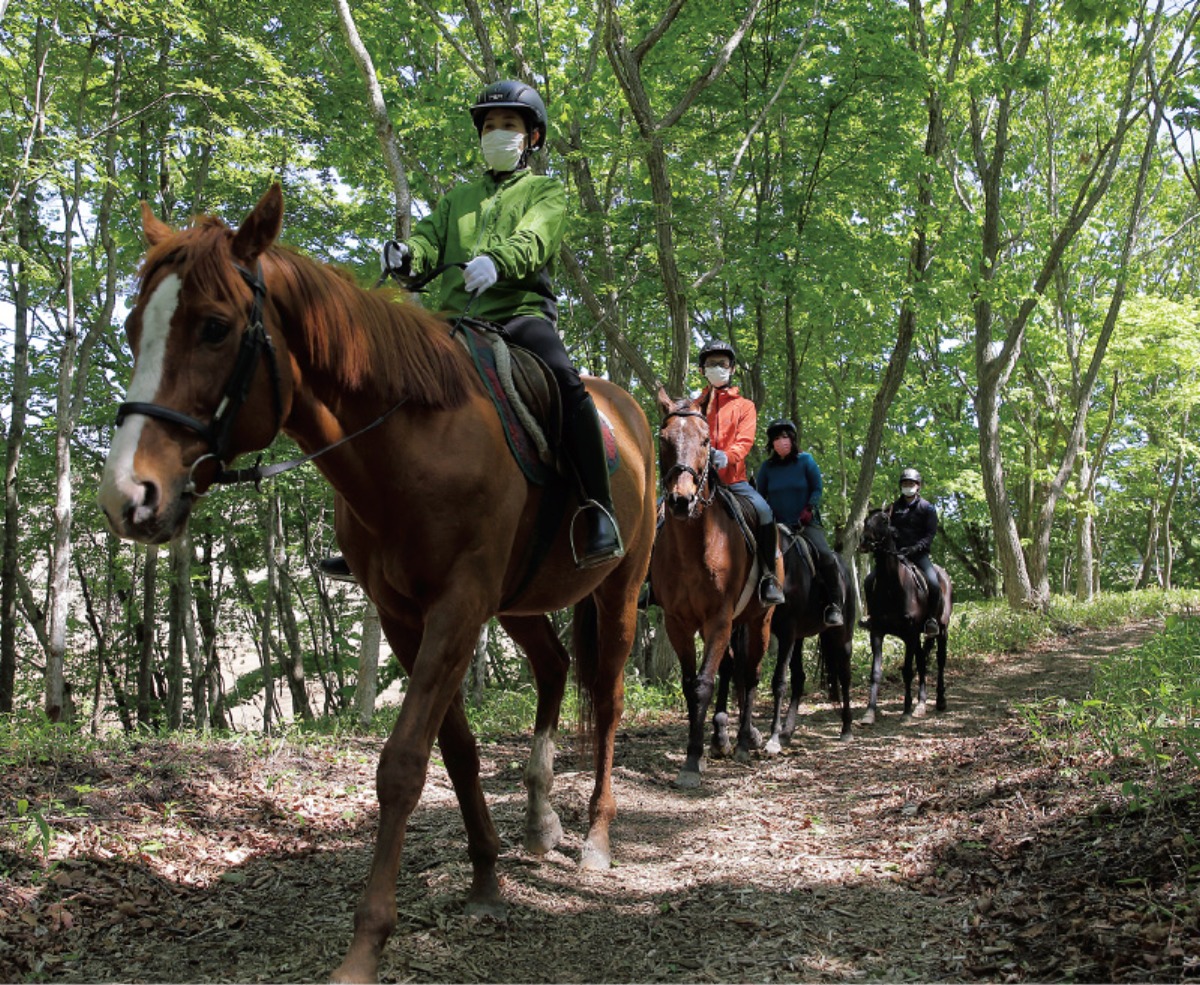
732 427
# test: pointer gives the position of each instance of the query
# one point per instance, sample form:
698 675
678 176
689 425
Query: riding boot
831 577
336 568
767 541
585 445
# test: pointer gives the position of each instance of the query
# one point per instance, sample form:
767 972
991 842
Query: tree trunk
178 597
144 635
265 627
368 665
383 125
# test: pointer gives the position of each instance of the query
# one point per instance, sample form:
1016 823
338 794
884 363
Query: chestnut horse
897 603
704 579
433 513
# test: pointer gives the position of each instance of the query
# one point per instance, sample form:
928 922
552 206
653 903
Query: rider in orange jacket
732 426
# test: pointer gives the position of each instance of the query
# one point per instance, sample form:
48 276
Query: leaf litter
947 848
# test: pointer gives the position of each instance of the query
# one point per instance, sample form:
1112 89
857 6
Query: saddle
746 517
525 395
790 539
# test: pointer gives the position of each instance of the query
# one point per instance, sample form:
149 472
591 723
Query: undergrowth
1139 725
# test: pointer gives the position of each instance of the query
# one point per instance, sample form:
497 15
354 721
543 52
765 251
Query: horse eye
214 331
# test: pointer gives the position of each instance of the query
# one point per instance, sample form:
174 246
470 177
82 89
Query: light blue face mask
502 149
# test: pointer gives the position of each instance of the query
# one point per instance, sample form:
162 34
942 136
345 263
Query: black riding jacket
915 523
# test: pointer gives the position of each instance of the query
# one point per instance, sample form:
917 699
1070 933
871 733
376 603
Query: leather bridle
218 432
701 477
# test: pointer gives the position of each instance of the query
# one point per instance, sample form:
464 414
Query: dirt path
946 849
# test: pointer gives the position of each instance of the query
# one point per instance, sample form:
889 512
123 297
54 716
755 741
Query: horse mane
356 336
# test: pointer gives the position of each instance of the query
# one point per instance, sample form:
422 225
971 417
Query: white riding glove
719 458
396 257
479 274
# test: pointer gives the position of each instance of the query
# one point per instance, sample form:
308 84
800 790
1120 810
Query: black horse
801 616
898 602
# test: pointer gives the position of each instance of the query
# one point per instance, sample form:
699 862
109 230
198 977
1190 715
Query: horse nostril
140 512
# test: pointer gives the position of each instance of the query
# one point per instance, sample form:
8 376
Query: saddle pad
523 402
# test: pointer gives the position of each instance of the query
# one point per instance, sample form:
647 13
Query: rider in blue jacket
790 481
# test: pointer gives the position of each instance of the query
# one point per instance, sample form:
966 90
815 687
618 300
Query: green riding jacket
518 222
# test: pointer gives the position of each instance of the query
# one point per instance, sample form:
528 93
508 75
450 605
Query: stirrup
769 591
601 555
935 630
833 615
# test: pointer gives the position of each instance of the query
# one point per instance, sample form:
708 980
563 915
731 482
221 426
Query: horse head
207 381
877 533
683 450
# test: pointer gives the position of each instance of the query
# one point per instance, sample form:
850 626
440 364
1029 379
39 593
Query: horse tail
584 625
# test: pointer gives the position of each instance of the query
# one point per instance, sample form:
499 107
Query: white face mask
502 149
909 490
718 375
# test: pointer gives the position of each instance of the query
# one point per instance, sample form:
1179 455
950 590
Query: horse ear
261 227
153 228
665 403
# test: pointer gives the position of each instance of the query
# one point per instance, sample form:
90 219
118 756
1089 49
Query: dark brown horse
703 574
236 339
897 603
801 616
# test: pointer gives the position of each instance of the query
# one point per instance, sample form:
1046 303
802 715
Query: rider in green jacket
505 228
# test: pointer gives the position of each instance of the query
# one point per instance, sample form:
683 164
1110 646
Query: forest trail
948 848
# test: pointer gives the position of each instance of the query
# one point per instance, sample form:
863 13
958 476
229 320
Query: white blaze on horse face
119 484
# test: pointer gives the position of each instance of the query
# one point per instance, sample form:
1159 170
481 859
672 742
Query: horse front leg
435 676
911 646
783 656
941 670
758 638
697 688
923 651
876 676
550 662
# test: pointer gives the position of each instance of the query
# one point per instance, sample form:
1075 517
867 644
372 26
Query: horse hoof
941 704
773 747
544 836
845 736
487 910
756 739
742 756
868 718
721 750
594 858
688 779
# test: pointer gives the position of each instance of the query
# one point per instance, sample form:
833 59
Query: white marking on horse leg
119 485
543 830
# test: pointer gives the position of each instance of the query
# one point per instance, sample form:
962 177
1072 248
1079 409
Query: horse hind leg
747 669
787 643
868 717
550 663
941 670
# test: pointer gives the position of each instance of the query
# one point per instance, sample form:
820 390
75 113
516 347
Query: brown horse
704 579
898 603
432 511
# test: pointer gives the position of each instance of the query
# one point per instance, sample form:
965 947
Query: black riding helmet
911 475
512 94
716 347
782 426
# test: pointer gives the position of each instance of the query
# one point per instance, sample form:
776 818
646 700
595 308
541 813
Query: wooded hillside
956 236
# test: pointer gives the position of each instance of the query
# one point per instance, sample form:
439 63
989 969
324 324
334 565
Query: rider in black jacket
915 522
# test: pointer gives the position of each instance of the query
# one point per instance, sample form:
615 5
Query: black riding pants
541 337
925 563
826 560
